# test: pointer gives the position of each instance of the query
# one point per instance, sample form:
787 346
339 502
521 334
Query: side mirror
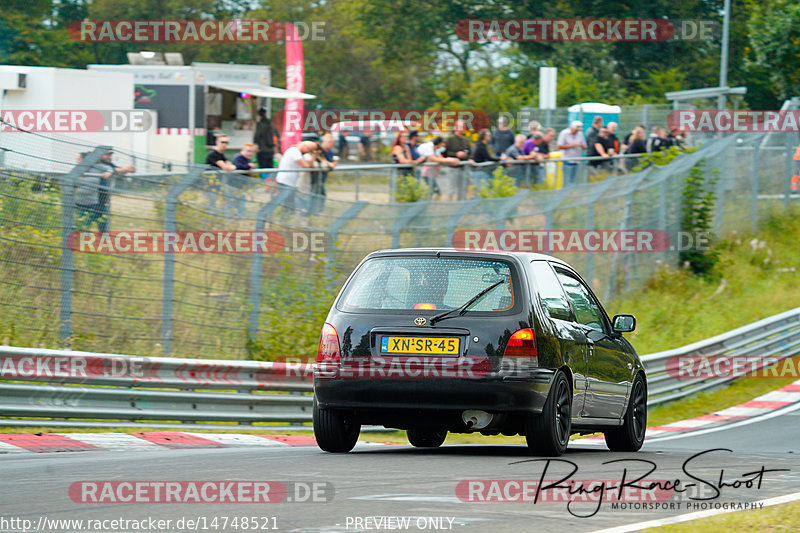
624 323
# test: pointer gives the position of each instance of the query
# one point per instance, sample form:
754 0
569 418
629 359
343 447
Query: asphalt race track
396 487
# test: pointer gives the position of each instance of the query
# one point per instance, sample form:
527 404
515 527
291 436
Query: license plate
420 345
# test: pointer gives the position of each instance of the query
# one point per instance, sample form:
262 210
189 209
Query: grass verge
775 519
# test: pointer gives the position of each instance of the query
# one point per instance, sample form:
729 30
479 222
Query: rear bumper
496 394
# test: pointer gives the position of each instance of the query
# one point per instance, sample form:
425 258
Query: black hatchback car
438 340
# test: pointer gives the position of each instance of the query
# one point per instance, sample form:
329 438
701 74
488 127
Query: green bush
500 186
411 189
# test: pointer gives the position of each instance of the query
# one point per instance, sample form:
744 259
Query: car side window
587 310
551 295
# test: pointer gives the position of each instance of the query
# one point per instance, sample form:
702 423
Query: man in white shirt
291 162
432 151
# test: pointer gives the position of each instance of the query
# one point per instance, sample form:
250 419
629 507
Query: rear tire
426 437
335 432
548 433
629 437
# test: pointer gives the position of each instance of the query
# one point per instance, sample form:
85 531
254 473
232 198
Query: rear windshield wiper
463 309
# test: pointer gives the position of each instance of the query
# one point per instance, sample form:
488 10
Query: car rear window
429 283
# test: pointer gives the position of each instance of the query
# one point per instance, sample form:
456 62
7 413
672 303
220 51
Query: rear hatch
428 316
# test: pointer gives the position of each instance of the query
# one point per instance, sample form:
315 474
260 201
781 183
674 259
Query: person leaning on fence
543 149
481 154
503 137
570 142
593 130
216 157
638 145
107 170
433 152
518 171
458 146
401 155
292 162
265 138
602 147
326 162
243 160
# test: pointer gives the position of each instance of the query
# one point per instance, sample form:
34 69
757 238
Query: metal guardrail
47 388
86 388
757 345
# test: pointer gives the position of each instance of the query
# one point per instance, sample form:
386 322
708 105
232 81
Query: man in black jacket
264 138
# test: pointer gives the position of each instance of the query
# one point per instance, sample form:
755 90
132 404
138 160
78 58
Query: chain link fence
235 305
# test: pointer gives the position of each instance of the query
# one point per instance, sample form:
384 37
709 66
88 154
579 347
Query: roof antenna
438 254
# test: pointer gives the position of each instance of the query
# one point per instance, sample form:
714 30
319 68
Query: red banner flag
295 81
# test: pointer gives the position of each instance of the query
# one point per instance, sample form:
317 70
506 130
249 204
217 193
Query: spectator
543 148
265 138
603 148
612 136
453 180
457 145
657 140
327 162
481 154
400 153
108 170
503 138
413 142
570 142
594 130
674 137
242 160
291 164
216 157
533 127
638 145
432 151
515 151
627 142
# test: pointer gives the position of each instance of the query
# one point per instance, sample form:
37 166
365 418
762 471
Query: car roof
522 256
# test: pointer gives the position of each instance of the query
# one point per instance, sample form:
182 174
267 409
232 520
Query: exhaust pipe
475 419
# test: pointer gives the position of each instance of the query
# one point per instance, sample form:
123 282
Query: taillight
521 344
424 305
328 351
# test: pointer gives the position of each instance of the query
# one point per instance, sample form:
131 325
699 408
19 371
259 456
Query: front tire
629 437
335 432
548 433
425 437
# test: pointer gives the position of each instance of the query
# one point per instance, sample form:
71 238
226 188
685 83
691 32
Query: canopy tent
263 91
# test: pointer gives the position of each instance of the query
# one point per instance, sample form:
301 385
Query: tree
774 31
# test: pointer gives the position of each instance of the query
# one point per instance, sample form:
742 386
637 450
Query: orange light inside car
328 351
424 305
521 344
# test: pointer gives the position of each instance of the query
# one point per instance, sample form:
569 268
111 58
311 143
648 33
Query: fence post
407 216
255 273
754 170
509 205
170 222
68 183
